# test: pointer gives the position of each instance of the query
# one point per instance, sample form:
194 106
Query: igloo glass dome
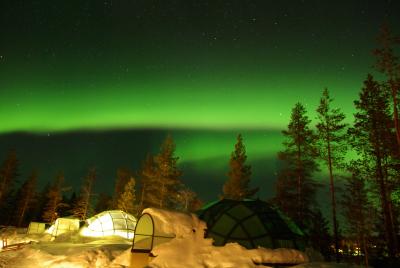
110 223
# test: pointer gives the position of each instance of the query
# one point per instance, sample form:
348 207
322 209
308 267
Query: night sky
100 83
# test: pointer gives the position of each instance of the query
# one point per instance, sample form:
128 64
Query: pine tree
147 178
54 199
163 192
237 186
123 176
331 140
295 186
388 63
41 203
8 175
187 198
373 138
127 199
356 207
26 198
82 208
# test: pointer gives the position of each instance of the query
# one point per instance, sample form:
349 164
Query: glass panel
107 223
131 225
116 215
240 211
254 226
224 225
238 233
144 226
95 226
119 224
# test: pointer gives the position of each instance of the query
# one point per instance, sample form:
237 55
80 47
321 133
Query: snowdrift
189 248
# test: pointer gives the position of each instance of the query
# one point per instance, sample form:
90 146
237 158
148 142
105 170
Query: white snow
188 249
168 222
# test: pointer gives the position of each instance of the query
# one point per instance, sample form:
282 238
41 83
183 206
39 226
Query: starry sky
100 83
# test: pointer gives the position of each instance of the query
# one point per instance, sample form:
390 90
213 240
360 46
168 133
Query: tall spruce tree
356 208
237 186
8 177
26 198
373 138
296 189
123 176
331 147
388 63
127 199
163 192
54 199
147 176
82 207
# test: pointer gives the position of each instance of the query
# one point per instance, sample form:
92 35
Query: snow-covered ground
189 250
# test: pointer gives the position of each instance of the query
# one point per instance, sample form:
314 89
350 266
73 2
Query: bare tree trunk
365 250
21 216
385 207
333 202
142 197
299 181
395 112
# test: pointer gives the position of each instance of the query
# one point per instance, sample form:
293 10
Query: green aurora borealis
74 76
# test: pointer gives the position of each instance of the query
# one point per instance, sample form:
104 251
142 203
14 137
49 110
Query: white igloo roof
110 223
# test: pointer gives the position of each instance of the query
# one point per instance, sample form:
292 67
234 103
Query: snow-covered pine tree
82 208
238 184
127 199
296 189
26 197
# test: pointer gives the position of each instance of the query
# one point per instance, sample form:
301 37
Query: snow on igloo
110 223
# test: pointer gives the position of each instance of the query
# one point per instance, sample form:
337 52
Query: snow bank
196 252
29 257
13 235
168 222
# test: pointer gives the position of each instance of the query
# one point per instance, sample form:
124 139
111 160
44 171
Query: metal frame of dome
251 223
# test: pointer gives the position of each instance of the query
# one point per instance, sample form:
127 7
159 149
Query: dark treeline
160 186
363 156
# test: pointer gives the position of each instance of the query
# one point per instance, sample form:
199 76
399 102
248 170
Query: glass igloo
250 223
110 223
